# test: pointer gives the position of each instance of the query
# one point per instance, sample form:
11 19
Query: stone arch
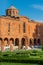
0 41
35 41
6 42
12 41
23 41
39 42
5 39
17 42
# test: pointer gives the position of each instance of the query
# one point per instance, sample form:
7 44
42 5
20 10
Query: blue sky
33 9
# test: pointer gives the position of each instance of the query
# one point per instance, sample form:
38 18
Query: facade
17 32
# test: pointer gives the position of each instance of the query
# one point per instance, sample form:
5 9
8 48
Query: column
19 47
11 46
26 44
2 46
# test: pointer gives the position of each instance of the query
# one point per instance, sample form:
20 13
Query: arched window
39 43
16 42
24 27
35 42
6 41
12 40
1 41
23 41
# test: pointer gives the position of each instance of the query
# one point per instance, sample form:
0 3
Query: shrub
42 47
26 56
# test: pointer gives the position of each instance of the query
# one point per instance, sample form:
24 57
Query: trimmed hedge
20 56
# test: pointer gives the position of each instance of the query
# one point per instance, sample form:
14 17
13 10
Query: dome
12 7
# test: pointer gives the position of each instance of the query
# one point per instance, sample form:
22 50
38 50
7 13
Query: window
37 30
19 28
12 41
9 27
35 43
24 27
39 42
23 41
16 42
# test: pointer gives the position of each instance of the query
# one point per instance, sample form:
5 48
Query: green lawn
7 63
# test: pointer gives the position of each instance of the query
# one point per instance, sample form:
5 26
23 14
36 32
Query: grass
7 63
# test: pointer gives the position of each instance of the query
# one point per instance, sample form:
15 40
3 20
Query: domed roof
12 7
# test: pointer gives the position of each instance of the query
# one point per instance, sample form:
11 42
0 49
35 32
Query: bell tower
12 11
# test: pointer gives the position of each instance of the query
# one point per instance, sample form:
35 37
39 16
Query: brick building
18 31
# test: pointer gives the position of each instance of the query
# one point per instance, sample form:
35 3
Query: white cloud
39 20
40 7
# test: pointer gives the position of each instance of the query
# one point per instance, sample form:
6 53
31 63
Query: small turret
12 11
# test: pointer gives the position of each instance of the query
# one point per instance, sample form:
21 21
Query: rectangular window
24 27
9 27
37 31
